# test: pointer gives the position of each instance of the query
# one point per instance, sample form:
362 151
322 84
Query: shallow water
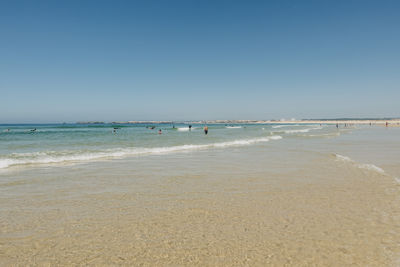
319 196
45 144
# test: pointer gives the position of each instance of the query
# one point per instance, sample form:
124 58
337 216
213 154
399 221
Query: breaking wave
185 129
48 157
303 130
286 125
370 167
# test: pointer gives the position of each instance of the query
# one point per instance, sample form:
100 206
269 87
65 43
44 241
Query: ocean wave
48 157
233 127
369 167
343 158
323 135
184 129
302 130
286 125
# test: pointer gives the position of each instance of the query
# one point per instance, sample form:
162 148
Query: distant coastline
301 121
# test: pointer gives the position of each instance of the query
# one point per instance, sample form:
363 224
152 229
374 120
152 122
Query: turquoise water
60 143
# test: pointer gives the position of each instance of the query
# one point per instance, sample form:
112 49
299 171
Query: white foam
369 167
321 135
233 127
289 125
184 129
77 156
343 158
303 130
276 137
4 163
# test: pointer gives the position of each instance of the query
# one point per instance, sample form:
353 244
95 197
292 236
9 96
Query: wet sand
236 207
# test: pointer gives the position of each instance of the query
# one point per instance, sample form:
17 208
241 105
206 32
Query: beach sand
236 207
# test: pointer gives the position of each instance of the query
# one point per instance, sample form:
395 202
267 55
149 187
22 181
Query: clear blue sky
178 60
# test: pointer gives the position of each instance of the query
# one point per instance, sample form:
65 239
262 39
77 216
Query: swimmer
159 131
33 130
206 129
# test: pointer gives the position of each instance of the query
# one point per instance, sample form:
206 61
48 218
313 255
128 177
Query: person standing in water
190 127
206 129
159 131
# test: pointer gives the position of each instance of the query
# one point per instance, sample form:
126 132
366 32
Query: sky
68 61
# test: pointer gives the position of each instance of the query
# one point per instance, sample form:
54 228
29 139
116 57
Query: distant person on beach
387 124
337 125
206 129
159 131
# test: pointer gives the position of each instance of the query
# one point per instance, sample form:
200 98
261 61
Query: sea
48 144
